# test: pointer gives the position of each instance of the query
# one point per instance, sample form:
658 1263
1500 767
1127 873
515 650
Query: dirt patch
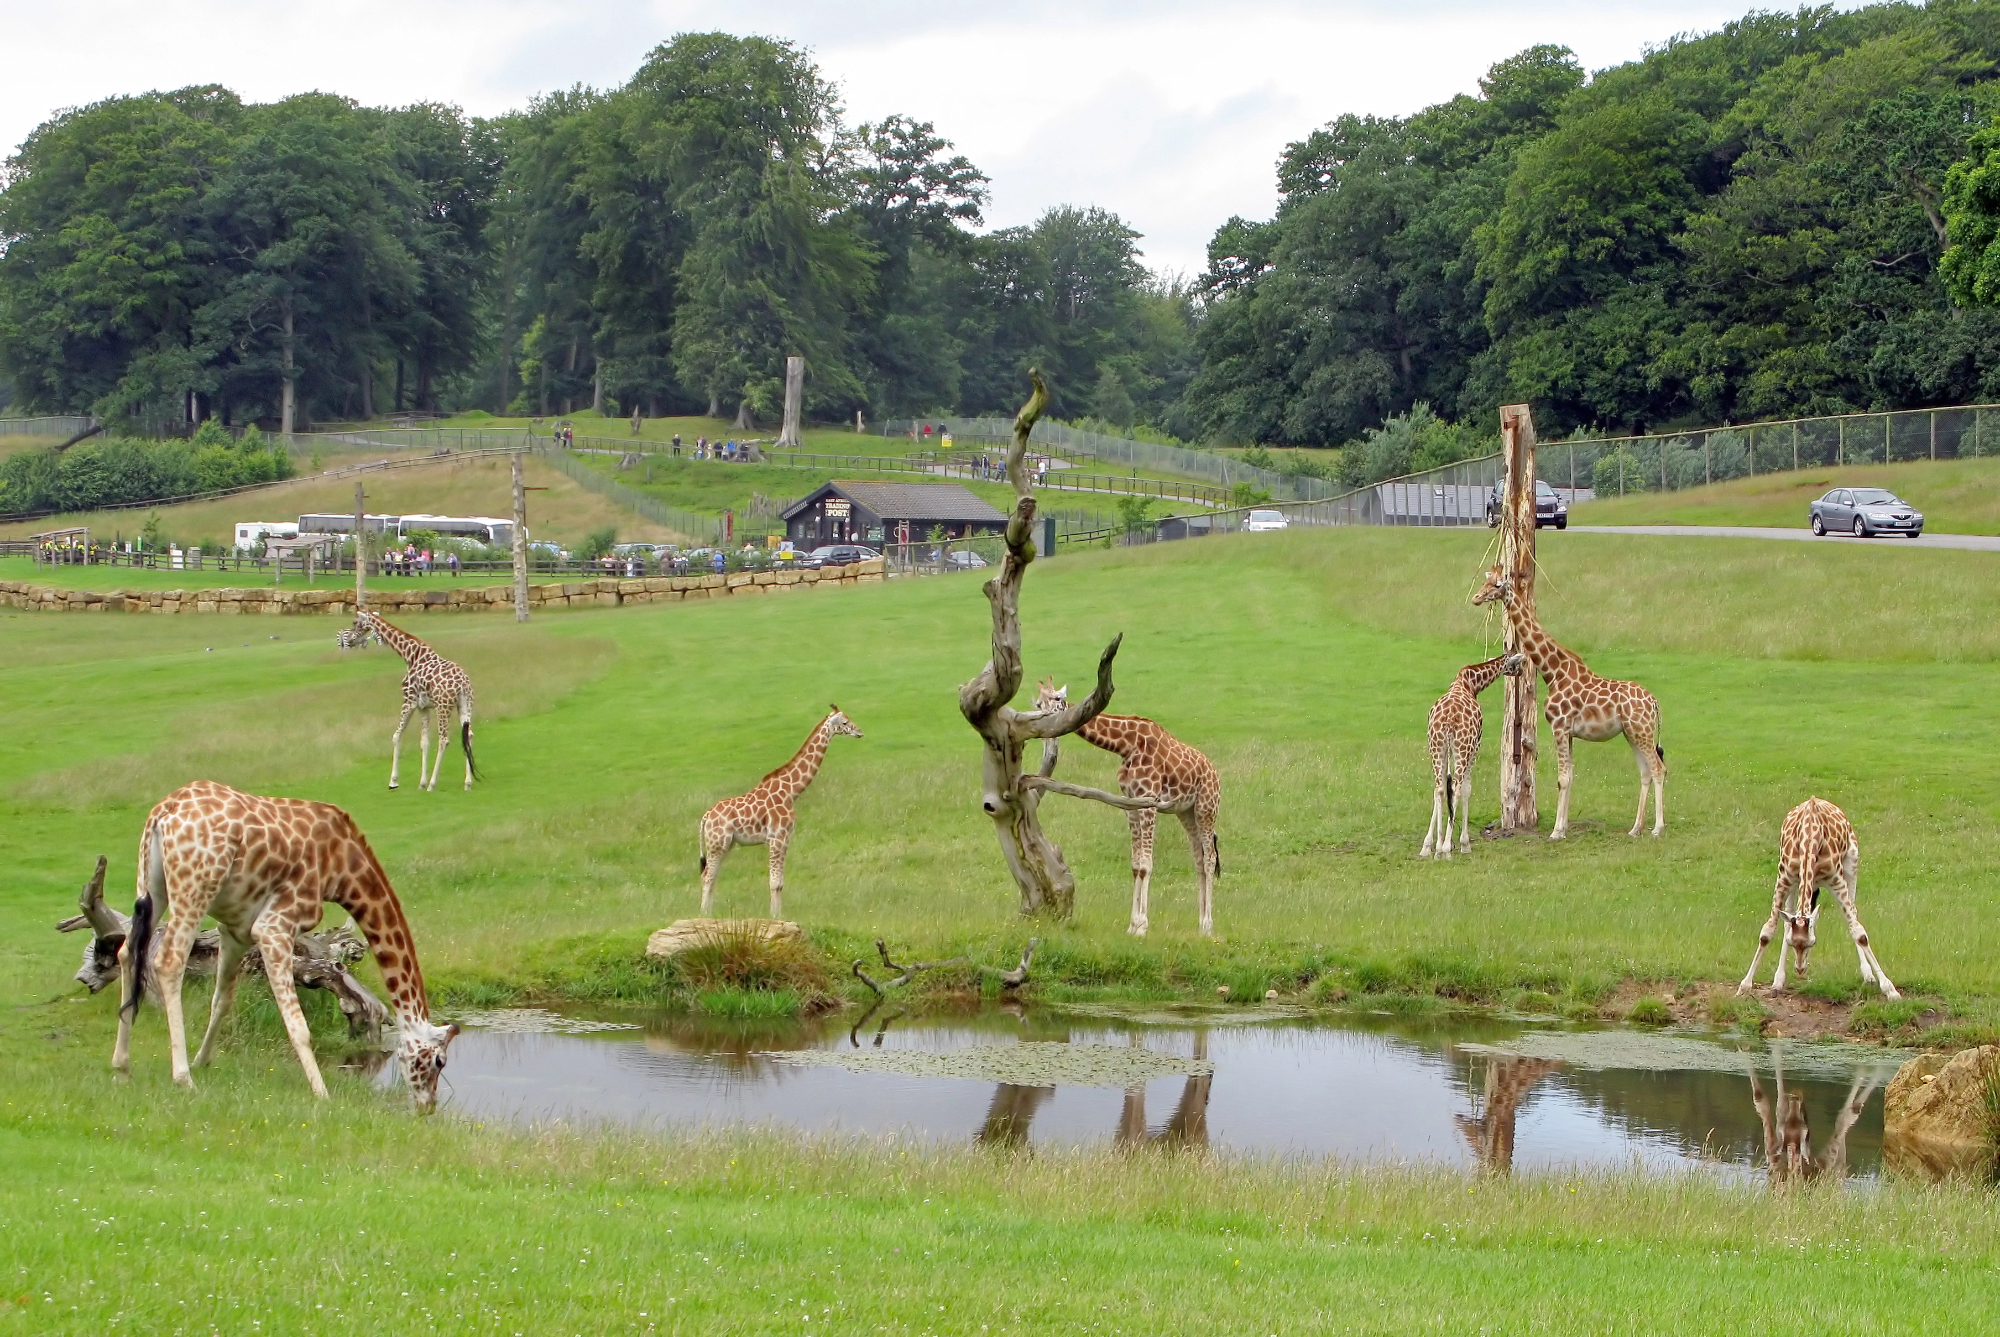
1785 1015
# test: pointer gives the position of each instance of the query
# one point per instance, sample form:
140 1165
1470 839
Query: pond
1456 1090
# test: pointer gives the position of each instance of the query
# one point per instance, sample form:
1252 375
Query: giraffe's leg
444 741
1565 772
228 972
1659 765
713 847
171 968
1200 828
1644 763
274 939
1871 969
396 742
777 843
1464 797
1142 821
1438 814
423 749
1797 891
1778 895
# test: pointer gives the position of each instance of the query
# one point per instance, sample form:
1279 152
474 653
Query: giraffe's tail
139 937
1215 842
465 740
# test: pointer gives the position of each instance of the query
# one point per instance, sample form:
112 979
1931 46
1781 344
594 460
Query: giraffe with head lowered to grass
767 814
432 684
1179 779
1455 728
1583 705
265 869
1816 848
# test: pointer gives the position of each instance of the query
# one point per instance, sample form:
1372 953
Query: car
1864 512
1551 507
964 559
1262 522
838 554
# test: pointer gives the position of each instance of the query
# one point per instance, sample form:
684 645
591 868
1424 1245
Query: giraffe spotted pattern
1455 728
1816 848
766 815
265 868
432 684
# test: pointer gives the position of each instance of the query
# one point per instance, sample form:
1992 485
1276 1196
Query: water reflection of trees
1491 1133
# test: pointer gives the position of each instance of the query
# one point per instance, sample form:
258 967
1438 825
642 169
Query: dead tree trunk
320 962
795 390
1010 798
1517 554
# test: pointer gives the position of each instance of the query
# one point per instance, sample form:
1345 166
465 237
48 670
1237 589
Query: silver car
1865 512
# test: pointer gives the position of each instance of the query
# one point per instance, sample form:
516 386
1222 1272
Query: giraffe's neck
404 644
1532 641
368 897
1476 678
1100 732
792 778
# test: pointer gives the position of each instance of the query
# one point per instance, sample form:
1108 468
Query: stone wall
384 596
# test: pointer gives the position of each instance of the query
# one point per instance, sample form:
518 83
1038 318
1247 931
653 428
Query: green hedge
114 471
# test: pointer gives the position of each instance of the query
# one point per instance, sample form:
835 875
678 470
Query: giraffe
1816 848
1788 1153
1491 1135
1583 705
765 815
264 869
1454 734
1158 766
432 684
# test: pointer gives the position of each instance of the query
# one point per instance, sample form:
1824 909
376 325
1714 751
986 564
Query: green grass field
1956 497
1302 662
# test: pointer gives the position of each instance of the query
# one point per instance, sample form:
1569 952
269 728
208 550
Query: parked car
1551 507
1864 512
838 554
964 559
1260 522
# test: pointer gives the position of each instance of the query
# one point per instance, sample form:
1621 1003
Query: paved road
1976 542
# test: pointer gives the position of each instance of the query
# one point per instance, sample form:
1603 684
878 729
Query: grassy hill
1956 497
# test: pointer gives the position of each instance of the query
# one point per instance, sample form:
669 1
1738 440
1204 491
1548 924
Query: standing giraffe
1158 766
1816 848
432 684
1454 732
265 868
765 815
1583 705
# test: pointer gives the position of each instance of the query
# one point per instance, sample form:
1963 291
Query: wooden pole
360 553
1517 554
520 542
795 386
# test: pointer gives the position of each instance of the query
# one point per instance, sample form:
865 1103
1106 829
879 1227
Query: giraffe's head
837 723
1499 585
1801 932
1048 696
420 1053
1514 664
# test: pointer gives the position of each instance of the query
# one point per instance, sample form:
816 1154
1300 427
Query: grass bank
1956 497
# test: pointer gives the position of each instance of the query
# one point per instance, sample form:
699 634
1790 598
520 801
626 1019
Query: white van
251 533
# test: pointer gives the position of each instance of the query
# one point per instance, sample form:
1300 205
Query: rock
1270 995
682 934
1943 1098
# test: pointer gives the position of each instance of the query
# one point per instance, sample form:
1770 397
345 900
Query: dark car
838 554
1864 512
1550 508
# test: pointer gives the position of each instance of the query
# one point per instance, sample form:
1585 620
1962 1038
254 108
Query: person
453 560
720 560
677 445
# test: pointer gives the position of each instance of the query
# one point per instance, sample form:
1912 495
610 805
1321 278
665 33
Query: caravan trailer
250 534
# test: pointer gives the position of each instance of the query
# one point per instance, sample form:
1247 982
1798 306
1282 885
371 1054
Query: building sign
838 508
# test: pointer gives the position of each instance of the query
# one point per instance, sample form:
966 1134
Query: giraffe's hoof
394 785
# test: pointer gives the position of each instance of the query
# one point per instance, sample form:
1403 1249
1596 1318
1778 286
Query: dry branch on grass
320 962
1047 886
1009 979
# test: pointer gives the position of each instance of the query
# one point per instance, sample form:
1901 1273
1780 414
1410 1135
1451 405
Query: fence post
1663 464
1840 444
1887 419
1753 452
1795 446
1707 459
1933 434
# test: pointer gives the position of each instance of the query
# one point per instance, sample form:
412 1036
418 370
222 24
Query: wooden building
881 513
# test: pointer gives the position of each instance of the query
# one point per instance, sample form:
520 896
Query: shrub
597 543
744 960
1650 1012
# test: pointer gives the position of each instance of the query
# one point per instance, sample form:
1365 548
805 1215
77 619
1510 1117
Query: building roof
907 501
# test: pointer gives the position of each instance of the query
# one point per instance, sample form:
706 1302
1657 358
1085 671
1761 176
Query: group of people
705 449
410 560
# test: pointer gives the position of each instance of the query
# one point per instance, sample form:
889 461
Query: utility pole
360 552
1517 556
520 541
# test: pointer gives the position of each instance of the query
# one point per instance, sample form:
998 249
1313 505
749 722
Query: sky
1169 113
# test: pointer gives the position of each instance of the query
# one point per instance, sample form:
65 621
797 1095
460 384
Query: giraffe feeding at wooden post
1583 705
432 684
1455 727
767 814
1816 848
265 868
1155 765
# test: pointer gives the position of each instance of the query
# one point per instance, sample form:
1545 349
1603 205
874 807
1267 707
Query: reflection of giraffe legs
1189 1125
1788 1153
1143 821
1011 1111
1491 1135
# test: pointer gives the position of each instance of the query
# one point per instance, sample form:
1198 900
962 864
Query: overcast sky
1168 112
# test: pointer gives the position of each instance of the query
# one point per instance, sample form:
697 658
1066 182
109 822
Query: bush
1650 1012
743 960
1408 443
597 543
108 471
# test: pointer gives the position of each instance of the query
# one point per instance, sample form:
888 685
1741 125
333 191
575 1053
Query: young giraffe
264 868
1454 734
1583 705
765 815
432 684
1158 766
1816 848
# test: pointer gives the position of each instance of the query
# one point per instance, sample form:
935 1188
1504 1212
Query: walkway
1974 542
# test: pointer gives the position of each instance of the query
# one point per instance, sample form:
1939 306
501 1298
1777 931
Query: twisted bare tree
1011 798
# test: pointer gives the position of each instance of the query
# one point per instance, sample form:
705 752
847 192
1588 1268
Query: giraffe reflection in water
1491 1134
1013 1108
1788 1153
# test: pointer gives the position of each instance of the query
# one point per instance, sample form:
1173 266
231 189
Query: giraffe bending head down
1454 736
1816 848
265 868
1583 705
765 816
1156 765
432 684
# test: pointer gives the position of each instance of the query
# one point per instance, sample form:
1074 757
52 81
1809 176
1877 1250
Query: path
1974 542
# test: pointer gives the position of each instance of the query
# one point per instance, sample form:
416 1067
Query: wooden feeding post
1517 556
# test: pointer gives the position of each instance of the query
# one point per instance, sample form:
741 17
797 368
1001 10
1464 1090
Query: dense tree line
113 471
1741 225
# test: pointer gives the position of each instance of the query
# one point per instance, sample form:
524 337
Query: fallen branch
1009 979
1043 782
320 961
